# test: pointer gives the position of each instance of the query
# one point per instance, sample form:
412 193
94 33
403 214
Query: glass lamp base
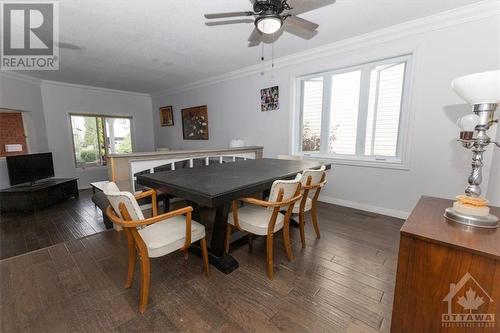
488 221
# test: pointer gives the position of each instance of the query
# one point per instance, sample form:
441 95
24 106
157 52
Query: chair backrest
115 197
315 174
289 188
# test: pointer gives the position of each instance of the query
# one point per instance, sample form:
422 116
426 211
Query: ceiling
151 45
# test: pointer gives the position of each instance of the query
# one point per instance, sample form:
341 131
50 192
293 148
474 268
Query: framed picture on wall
270 99
195 123
166 116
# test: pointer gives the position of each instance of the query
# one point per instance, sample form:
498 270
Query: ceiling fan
272 17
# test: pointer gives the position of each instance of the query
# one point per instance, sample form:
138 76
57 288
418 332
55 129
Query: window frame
104 117
401 161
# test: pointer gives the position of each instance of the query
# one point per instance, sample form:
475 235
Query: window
355 113
96 136
311 113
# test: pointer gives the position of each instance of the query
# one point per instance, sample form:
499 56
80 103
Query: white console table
122 168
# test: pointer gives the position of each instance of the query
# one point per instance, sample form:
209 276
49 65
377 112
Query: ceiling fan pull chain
272 59
262 60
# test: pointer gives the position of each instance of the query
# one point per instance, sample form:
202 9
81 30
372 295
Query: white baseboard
361 206
341 202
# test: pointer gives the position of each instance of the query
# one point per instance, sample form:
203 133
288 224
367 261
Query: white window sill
361 162
91 168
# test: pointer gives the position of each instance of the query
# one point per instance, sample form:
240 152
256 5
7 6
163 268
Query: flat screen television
29 167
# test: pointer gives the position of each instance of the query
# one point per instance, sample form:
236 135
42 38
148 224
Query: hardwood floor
343 282
69 220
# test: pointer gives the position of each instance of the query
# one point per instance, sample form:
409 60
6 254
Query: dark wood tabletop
428 223
217 185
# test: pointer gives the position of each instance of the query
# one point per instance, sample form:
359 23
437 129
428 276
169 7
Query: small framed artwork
195 123
269 99
166 116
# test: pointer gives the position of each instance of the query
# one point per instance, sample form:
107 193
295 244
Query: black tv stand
32 197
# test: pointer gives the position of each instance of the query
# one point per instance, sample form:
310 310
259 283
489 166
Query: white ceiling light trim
269 24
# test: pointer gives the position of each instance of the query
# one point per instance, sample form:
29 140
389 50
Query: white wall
59 100
48 105
494 183
24 95
438 164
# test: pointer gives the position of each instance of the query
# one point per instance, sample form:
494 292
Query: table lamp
482 91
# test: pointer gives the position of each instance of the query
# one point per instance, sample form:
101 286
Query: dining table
215 186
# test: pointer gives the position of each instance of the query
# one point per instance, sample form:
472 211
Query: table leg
166 204
219 230
216 255
196 210
93 192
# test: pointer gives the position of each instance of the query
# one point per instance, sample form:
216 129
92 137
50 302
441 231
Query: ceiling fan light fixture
268 24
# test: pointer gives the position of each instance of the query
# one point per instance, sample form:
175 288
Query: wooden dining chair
312 181
152 237
264 218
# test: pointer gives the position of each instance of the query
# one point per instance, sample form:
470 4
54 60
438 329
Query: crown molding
20 77
30 79
474 12
93 88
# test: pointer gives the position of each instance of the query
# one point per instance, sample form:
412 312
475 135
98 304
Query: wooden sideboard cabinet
448 276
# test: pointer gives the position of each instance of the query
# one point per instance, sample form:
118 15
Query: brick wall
11 132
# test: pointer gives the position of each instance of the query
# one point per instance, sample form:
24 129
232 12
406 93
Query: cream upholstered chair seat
307 206
152 237
255 219
264 218
168 236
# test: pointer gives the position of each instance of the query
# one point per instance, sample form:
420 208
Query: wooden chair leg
314 216
145 279
228 237
286 240
269 253
302 231
250 240
204 252
186 254
132 258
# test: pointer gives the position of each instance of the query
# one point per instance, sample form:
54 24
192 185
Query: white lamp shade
479 88
269 24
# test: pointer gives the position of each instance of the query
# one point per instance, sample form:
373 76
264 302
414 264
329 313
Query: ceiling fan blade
302 6
301 23
264 38
255 36
258 37
299 32
254 43
230 14
226 22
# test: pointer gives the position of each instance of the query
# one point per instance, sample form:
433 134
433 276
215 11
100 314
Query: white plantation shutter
344 112
357 112
384 109
312 108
